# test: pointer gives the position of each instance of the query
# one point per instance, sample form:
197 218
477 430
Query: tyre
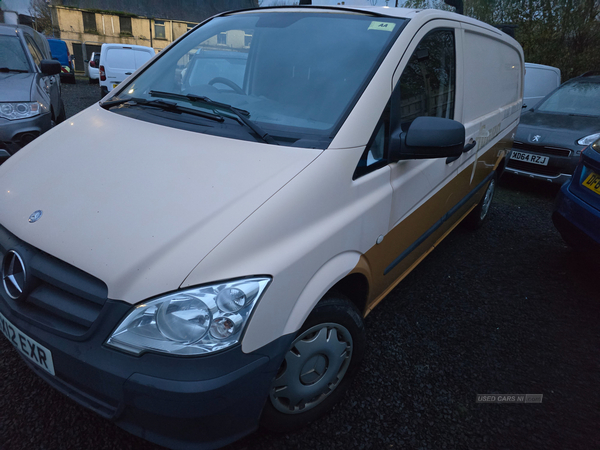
319 366
480 214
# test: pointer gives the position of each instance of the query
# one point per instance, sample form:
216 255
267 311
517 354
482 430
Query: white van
118 61
205 267
540 80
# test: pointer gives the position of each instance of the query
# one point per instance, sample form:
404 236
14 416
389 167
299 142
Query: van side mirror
428 137
50 67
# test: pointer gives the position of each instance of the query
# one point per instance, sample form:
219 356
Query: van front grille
57 296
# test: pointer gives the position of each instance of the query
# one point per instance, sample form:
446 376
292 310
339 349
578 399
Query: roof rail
591 73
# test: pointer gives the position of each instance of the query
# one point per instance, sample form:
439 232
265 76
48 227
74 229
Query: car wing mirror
428 137
50 67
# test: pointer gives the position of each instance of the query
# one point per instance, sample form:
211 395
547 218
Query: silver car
30 101
551 136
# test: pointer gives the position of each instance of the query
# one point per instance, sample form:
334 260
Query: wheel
227 82
479 215
319 366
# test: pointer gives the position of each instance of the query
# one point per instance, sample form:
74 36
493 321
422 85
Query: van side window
426 88
427 85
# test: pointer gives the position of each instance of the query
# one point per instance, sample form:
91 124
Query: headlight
20 110
192 321
588 139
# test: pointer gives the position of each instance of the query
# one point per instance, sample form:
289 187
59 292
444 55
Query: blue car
577 212
60 52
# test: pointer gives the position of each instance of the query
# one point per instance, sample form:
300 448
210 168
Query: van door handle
128 73
469 146
466 148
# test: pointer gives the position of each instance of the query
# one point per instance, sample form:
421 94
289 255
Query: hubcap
487 200
312 368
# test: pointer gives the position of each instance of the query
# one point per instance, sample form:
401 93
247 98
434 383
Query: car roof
593 77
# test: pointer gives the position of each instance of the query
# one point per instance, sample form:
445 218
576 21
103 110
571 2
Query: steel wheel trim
312 368
487 200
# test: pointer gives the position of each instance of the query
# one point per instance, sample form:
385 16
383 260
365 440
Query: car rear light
92 64
102 74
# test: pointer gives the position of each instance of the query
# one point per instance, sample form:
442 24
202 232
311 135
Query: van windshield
296 73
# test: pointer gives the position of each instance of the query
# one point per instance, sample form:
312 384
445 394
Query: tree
42 15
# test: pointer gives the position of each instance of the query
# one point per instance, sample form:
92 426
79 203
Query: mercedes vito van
205 267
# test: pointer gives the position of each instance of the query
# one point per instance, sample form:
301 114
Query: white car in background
94 68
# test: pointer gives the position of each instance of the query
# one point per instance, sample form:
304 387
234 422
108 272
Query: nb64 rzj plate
36 353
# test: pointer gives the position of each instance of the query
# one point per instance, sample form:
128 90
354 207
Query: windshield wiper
7 69
164 105
241 114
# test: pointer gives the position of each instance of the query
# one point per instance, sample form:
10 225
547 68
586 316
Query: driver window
426 88
427 85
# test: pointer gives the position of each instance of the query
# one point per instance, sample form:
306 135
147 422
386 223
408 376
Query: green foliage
559 33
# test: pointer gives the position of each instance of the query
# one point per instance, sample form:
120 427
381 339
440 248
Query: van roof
422 15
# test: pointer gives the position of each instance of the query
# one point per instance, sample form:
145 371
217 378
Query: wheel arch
336 275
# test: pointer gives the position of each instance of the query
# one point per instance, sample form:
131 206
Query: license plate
592 182
528 157
36 353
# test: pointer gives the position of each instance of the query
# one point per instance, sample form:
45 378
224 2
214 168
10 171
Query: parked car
577 212
540 80
118 61
206 264
552 135
60 52
94 68
30 101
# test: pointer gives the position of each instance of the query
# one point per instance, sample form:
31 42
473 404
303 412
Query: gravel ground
507 309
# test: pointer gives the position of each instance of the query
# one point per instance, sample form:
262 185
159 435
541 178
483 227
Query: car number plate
36 353
592 182
528 157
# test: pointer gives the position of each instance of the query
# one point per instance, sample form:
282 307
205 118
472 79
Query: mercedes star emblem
35 216
13 274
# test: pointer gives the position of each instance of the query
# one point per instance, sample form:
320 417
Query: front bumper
556 179
560 167
178 402
15 134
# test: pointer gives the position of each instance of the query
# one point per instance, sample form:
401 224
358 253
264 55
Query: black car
30 101
551 136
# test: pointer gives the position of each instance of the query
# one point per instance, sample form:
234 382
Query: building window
159 29
89 22
125 24
222 38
